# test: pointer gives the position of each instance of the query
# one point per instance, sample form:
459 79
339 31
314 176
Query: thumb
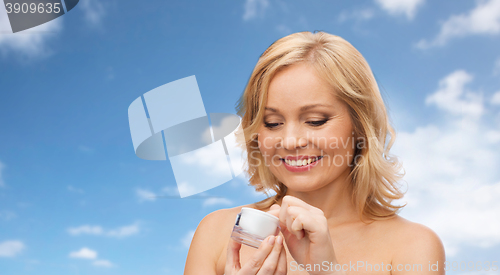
233 257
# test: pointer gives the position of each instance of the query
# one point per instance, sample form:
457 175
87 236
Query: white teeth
299 163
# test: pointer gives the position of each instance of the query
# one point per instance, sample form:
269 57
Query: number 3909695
471 266
33 8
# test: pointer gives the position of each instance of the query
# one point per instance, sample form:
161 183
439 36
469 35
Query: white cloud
209 166
145 195
253 8
357 15
495 99
97 230
103 263
452 170
84 253
2 166
203 158
168 191
86 229
124 231
484 19
93 11
186 240
28 43
89 254
11 248
216 201
453 98
407 8
492 136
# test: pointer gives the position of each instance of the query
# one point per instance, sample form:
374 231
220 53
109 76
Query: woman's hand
306 234
269 259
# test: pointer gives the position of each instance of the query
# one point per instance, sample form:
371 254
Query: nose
293 139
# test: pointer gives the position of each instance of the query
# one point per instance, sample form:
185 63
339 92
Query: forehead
299 86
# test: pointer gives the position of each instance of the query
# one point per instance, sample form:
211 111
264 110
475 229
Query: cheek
267 143
334 140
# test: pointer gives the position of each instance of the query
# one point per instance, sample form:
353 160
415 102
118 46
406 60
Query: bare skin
391 241
320 224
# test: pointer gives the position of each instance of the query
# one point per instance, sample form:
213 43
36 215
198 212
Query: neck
334 199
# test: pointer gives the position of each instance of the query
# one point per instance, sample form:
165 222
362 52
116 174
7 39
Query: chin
303 187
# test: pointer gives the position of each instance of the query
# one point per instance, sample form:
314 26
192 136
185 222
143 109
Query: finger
271 262
294 201
304 220
282 268
289 221
233 255
283 221
253 265
283 212
297 228
274 210
275 206
290 215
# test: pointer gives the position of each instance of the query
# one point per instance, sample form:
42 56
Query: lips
302 168
300 157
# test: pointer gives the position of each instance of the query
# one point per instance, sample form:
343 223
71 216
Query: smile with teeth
298 163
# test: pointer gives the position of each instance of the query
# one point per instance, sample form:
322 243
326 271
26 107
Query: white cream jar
252 226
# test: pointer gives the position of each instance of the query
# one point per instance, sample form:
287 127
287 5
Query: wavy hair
375 177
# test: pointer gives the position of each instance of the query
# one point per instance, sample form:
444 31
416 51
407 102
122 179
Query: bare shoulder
413 243
410 234
209 240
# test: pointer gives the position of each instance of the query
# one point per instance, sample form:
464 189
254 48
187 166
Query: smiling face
303 119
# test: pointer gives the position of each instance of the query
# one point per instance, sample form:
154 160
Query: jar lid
258 222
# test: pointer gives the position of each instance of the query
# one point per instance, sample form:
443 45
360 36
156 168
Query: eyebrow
302 109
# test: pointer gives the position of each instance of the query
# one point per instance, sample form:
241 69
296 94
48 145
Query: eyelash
313 123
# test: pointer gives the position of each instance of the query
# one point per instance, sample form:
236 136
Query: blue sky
75 199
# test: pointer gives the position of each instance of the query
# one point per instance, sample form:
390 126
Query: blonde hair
375 176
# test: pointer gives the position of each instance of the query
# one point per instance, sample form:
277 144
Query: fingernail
271 240
279 240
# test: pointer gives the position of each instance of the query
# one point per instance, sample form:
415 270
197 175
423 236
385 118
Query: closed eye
312 123
317 123
271 125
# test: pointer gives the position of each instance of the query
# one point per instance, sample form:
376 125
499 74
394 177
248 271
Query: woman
316 127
